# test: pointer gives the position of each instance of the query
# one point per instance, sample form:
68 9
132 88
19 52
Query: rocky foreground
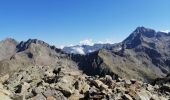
70 84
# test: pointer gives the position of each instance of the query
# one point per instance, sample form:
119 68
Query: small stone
150 87
97 83
108 80
38 97
50 98
25 86
143 95
19 97
156 87
117 96
75 96
154 97
48 93
113 85
133 81
92 90
121 89
103 87
66 90
45 84
127 97
77 85
59 96
119 79
127 83
85 88
38 90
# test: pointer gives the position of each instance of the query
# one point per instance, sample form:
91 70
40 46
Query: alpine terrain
136 69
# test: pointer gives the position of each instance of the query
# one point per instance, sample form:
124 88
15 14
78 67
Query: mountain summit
137 36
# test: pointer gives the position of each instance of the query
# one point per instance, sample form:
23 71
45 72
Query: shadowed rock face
138 36
144 55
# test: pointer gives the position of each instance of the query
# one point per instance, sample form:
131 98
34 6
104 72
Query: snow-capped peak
87 42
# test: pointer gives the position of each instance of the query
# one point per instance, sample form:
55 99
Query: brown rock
154 97
38 97
143 95
127 82
149 87
19 97
127 97
103 87
50 98
25 86
85 88
75 96
97 83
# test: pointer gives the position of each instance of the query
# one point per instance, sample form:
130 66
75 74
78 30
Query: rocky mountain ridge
34 70
144 55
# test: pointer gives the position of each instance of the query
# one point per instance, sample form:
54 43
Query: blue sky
64 22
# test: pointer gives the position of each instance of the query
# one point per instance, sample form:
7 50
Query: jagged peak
36 41
142 29
25 44
138 35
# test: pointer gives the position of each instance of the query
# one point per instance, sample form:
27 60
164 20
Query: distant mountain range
85 49
144 55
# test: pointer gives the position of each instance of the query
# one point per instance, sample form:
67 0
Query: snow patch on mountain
165 31
87 42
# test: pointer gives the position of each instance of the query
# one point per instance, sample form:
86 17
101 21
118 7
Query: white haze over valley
80 47
89 42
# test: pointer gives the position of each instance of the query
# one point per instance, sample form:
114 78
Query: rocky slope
33 52
26 65
7 48
144 55
71 84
